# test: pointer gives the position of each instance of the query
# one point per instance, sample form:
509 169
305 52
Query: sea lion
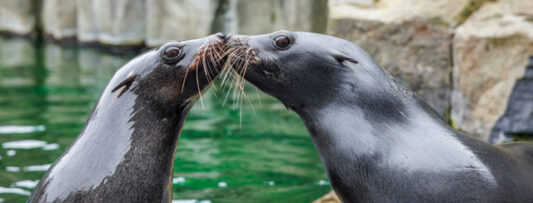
125 152
377 141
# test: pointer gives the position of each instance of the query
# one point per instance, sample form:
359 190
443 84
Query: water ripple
29 144
14 191
178 180
43 167
30 184
11 152
19 129
12 168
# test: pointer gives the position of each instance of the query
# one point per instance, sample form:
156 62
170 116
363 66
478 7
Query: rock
330 197
396 11
415 52
87 31
112 22
255 17
518 117
490 52
120 22
305 15
265 16
168 20
124 23
17 16
59 18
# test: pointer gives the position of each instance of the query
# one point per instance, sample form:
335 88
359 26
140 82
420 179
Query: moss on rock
470 9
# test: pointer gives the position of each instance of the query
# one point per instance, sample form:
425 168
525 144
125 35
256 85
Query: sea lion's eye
172 53
282 41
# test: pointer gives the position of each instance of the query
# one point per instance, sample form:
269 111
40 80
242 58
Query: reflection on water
226 152
20 129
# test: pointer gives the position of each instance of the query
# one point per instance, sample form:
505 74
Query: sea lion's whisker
232 63
241 86
208 77
204 62
257 94
225 76
232 50
184 79
249 102
228 74
217 49
198 87
238 60
227 94
237 77
227 71
214 62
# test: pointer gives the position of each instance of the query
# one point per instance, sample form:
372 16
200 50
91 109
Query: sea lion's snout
223 36
176 72
241 53
294 67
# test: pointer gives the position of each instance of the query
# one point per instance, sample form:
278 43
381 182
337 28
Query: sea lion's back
521 150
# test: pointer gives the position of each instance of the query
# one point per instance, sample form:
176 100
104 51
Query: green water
227 153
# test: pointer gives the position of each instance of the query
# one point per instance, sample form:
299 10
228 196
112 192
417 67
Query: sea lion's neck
364 132
126 150
361 146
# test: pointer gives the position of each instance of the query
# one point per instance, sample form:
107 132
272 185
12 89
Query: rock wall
415 52
518 116
17 16
154 22
59 18
395 11
266 16
411 39
119 22
490 49
462 55
170 20
110 22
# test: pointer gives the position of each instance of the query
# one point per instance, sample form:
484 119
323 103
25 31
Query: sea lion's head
174 74
306 69
134 127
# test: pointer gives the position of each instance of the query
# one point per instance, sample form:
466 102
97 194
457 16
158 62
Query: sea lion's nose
228 36
222 36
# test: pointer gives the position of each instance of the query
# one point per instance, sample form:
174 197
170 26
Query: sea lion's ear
126 84
340 57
